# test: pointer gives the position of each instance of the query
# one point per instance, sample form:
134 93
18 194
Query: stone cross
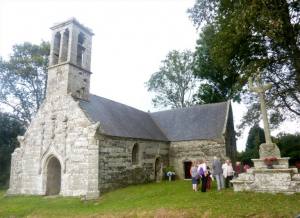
267 149
261 89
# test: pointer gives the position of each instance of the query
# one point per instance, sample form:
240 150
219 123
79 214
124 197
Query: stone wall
61 130
115 161
285 180
183 151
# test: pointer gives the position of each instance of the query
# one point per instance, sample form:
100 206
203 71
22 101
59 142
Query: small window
135 154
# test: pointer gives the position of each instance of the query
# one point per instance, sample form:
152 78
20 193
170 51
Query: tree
255 138
23 80
174 84
289 146
9 130
252 36
218 84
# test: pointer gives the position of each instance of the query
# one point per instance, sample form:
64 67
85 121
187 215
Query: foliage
289 146
218 84
255 138
174 83
168 169
9 130
244 37
23 80
165 199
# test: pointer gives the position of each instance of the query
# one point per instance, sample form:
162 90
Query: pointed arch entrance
53 177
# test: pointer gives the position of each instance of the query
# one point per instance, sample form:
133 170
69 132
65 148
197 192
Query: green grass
166 199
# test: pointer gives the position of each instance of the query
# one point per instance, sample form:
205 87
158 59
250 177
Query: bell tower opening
65 46
56 48
80 49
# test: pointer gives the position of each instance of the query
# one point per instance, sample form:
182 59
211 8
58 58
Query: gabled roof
197 122
117 119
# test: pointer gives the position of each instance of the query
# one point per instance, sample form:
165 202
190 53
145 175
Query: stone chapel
80 144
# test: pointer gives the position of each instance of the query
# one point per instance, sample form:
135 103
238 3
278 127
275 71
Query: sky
131 38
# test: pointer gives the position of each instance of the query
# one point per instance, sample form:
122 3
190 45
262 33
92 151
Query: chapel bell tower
70 60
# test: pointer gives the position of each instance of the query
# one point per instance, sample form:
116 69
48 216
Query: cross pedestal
279 179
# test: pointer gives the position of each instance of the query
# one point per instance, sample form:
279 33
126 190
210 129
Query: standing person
238 169
194 174
218 173
227 172
202 170
209 179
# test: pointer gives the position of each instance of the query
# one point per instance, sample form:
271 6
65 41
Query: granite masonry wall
60 130
116 168
184 151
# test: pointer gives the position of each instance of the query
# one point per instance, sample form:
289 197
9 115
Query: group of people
200 171
223 173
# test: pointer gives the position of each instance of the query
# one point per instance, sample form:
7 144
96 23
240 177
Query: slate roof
197 122
117 119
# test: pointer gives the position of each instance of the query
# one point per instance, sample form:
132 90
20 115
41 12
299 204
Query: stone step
240 181
246 176
296 177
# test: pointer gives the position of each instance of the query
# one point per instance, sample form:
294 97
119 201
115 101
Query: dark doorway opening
157 172
53 177
187 166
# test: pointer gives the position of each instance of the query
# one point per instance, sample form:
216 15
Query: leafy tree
289 146
174 84
249 36
9 130
23 80
218 84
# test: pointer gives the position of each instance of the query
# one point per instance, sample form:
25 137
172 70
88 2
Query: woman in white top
227 172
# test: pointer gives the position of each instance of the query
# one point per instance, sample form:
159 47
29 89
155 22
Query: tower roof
74 21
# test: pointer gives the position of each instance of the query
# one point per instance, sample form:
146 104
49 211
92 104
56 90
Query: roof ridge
119 103
191 107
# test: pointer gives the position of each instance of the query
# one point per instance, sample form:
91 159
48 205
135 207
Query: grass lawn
166 199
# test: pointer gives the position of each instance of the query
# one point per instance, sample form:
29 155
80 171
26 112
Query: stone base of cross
269 150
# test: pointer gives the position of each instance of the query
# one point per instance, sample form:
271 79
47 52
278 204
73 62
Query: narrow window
65 46
56 48
80 49
135 154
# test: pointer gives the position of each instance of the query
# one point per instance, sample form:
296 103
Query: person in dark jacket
218 173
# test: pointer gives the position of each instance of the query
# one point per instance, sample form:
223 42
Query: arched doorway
157 170
53 176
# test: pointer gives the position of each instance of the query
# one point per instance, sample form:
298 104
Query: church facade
80 144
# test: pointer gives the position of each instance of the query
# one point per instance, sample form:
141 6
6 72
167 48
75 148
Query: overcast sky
131 38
